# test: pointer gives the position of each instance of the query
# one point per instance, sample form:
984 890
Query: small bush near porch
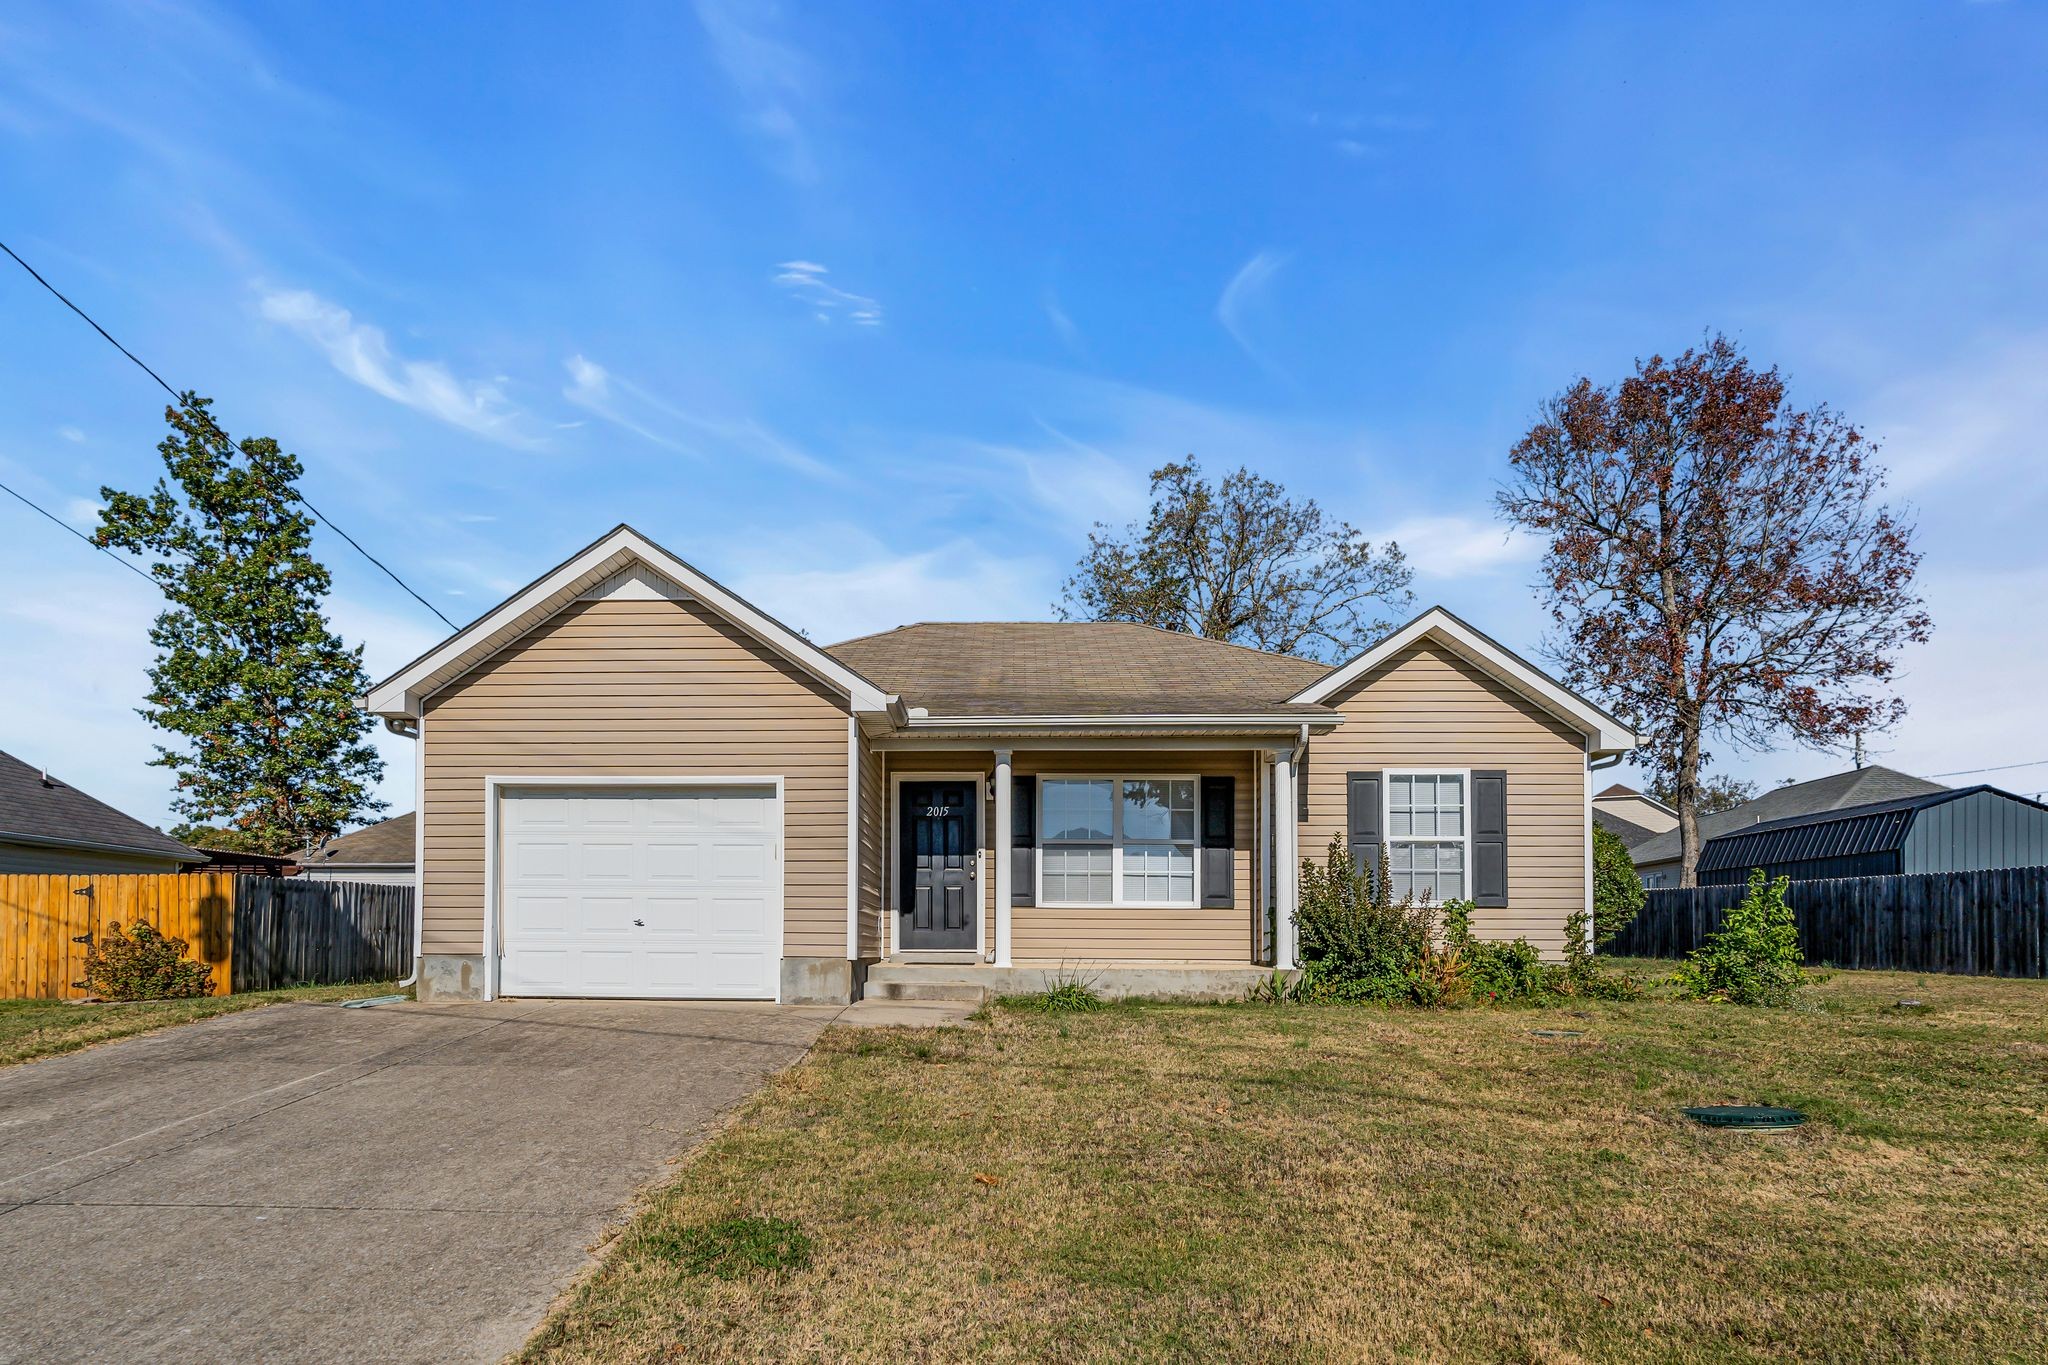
1258 1183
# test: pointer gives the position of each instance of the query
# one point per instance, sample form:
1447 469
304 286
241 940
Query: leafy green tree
1617 890
248 673
1717 793
1241 561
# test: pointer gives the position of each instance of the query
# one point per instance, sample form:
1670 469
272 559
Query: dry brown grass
1179 1182
45 1028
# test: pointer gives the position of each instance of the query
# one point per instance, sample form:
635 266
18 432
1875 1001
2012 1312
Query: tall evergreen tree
248 672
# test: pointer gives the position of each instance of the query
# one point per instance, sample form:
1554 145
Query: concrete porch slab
1110 980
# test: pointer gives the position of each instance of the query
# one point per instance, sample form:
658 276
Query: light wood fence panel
42 919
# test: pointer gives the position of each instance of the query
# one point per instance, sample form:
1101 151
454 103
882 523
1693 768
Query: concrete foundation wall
821 980
451 976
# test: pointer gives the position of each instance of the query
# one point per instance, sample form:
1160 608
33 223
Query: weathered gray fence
293 931
1968 923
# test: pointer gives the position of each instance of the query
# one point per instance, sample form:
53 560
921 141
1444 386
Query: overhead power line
2001 768
67 526
178 398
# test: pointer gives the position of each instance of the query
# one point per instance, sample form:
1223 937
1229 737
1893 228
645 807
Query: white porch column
1001 844
1286 863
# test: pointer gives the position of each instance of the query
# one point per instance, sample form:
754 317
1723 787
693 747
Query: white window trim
1116 843
1388 837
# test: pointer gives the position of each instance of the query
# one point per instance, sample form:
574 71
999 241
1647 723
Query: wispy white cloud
72 434
1449 546
843 583
83 512
361 351
672 427
1245 296
771 76
1063 326
806 280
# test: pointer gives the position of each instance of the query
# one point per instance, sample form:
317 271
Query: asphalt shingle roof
1075 668
1857 787
35 813
384 843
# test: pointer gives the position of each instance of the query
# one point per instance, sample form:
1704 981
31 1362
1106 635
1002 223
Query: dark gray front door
936 902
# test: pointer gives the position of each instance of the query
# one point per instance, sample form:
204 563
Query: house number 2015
931 811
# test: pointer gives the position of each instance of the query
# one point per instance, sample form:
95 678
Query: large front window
1117 841
1426 835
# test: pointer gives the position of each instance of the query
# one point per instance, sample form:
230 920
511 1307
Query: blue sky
871 310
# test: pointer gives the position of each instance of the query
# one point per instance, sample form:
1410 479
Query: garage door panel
640 892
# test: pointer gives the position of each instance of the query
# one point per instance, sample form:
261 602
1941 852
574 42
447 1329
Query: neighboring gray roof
1857 787
66 817
1076 668
1879 827
1630 833
388 843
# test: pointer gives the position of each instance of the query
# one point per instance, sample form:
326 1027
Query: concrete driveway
305 1182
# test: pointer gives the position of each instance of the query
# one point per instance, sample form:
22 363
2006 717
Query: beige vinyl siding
39 858
1429 708
873 802
1050 935
621 688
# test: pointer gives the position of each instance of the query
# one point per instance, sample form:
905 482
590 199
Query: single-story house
1630 815
382 852
1969 829
48 826
1657 859
632 782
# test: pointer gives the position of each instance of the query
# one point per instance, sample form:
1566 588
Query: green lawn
43 1028
1256 1183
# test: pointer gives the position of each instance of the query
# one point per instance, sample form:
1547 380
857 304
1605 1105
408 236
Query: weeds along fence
258 932
1967 923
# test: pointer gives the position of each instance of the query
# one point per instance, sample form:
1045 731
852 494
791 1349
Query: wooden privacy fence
1967 923
258 932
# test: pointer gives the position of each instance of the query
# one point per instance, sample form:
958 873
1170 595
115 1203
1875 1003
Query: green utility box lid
1749 1116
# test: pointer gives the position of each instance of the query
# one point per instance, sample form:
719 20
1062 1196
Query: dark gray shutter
1490 839
1023 841
1301 787
1218 811
1362 820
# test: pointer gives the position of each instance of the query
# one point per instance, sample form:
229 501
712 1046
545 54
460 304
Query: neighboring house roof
39 810
388 843
1607 734
1629 834
1876 827
1092 668
1838 791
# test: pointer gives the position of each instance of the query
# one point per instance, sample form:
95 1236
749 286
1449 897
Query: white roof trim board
604 568
1609 735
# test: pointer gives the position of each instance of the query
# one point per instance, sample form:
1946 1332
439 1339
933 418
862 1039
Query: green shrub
1617 891
141 964
1069 994
1581 975
1753 958
730 1248
1357 942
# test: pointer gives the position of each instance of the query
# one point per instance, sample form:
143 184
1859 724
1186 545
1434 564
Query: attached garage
638 890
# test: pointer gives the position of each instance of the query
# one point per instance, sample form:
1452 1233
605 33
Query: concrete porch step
959 992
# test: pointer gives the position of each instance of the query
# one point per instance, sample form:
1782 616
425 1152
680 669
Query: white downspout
417 733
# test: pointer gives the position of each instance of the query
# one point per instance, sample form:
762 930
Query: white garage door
640 892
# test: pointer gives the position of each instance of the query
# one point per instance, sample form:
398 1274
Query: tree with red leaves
1719 563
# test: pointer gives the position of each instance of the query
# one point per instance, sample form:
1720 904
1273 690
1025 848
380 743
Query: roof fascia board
401 694
1608 734
101 846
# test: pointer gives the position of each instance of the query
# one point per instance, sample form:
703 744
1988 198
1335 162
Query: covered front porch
1156 864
